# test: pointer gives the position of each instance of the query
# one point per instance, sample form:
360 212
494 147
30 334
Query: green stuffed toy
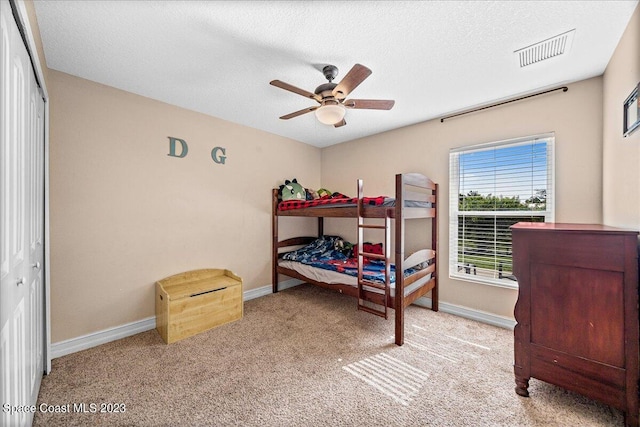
324 192
291 190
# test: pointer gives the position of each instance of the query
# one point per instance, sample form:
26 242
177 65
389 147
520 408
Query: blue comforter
327 252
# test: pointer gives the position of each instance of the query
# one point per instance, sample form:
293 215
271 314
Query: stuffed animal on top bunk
311 194
292 190
323 192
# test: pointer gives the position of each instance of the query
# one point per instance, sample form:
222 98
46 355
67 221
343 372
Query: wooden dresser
577 311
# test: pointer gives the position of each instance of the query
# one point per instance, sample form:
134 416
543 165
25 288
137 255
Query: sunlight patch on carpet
446 347
392 377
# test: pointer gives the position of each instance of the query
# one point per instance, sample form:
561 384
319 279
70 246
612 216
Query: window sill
500 283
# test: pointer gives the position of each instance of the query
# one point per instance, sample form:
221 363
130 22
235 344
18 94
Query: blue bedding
327 252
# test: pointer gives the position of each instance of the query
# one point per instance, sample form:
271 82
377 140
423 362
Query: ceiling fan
332 96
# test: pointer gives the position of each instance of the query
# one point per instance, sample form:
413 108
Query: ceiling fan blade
298 113
291 88
354 77
370 104
339 124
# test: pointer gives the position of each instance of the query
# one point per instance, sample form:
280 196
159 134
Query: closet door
35 239
21 227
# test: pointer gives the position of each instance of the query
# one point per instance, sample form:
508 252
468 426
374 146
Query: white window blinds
493 186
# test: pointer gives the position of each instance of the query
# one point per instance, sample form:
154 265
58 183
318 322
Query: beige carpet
307 357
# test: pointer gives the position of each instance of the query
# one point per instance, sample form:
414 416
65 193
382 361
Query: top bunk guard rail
417 188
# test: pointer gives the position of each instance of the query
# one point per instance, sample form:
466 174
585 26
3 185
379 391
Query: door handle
36 265
20 281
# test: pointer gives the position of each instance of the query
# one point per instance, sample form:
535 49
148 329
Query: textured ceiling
432 58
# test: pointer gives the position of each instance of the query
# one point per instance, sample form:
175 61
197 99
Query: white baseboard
468 313
62 348
266 290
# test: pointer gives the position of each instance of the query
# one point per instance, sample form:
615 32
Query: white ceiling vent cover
554 46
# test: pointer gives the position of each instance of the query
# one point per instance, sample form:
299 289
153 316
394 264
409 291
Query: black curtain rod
563 88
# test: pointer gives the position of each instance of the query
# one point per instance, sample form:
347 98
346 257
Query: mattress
333 277
348 202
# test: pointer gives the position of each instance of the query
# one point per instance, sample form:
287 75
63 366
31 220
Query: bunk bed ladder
361 258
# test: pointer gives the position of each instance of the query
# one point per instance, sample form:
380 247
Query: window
493 186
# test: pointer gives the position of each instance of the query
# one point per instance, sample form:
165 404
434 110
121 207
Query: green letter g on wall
217 157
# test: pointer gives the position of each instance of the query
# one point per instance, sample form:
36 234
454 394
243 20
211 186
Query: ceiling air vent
554 46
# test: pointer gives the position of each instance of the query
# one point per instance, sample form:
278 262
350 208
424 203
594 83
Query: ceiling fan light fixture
330 114
332 96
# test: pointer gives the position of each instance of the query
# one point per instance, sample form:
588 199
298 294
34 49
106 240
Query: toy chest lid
195 282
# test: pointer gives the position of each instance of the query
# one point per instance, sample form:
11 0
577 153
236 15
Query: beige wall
621 156
125 214
574 116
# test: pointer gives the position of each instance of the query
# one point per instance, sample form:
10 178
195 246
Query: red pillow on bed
372 248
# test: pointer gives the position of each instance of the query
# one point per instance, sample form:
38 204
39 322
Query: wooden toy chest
196 301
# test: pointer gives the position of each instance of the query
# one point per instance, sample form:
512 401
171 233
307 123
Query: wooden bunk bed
415 198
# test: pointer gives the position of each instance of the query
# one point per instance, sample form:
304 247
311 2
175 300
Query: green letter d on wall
172 147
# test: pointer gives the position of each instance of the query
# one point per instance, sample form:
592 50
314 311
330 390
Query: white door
21 228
